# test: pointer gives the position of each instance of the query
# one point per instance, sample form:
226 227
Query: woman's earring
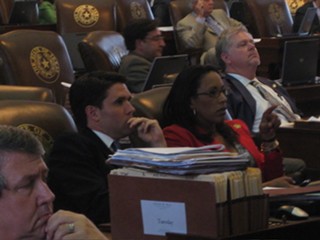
194 112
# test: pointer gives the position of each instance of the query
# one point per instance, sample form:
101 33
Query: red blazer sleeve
270 163
177 136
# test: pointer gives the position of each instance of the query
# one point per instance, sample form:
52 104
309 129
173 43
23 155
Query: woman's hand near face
269 124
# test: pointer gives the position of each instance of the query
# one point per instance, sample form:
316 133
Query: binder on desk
191 187
205 204
219 180
258 206
141 207
238 204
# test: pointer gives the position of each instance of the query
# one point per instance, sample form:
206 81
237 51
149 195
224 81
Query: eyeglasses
155 38
214 93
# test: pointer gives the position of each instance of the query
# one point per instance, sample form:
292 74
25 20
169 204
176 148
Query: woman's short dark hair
138 29
91 89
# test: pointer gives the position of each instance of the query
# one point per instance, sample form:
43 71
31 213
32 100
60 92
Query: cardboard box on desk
258 206
147 208
238 203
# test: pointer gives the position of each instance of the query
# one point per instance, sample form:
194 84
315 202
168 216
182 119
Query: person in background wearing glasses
144 41
239 59
194 115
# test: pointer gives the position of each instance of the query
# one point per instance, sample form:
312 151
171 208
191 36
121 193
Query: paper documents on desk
310 119
310 123
313 119
181 161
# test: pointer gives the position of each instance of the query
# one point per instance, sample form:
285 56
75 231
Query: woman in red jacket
194 115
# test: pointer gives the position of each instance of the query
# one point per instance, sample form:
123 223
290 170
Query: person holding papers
194 116
100 102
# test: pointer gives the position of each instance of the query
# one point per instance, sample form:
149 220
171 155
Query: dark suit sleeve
78 177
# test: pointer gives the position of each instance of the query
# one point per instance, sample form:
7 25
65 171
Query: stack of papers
181 161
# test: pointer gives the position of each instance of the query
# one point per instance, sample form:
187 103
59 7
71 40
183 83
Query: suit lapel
244 92
102 147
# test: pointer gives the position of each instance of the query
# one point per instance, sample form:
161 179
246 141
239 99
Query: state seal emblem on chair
86 15
45 64
137 10
276 13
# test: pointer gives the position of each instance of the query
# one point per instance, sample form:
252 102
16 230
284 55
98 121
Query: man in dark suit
239 58
101 106
315 28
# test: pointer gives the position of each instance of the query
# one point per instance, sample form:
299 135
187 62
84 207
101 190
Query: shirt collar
245 81
104 138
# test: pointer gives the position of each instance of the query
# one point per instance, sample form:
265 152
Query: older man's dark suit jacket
78 175
241 104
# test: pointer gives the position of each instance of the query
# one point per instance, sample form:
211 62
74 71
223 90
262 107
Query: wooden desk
307 98
306 229
290 230
271 53
301 143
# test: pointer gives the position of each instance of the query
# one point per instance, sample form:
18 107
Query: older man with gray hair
201 27
250 95
25 198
